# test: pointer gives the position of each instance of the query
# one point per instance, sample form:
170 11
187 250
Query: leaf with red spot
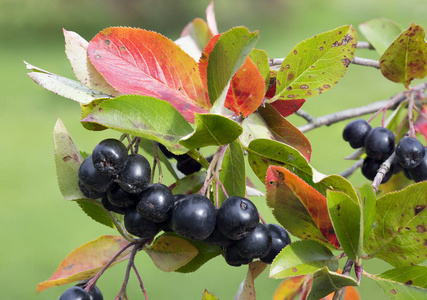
287 107
298 207
406 58
85 261
246 91
137 61
421 123
285 131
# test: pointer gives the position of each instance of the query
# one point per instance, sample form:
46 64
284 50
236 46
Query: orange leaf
87 260
284 186
137 61
204 59
289 288
246 91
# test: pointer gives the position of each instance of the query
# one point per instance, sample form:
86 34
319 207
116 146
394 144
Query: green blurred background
39 228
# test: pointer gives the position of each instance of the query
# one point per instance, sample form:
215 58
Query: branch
345 115
382 171
366 62
352 169
364 45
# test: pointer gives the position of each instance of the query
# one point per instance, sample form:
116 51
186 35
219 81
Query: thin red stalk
141 284
127 275
410 114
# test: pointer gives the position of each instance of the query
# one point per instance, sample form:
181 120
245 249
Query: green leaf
169 253
96 212
247 287
315 65
404 283
211 130
227 57
406 58
326 282
189 184
143 116
208 296
232 174
255 127
67 162
264 152
400 228
346 219
260 59
302 258
367 201
380 33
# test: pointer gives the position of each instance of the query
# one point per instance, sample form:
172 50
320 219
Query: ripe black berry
75 293
156 203
93 179
355 133
111 207
419 173
379 143
188 166
166 152
279 239
89 192
193 217
370 169
110 157
233 258
237 217
95 293
257 244
118 197
409 152
138 225
136 175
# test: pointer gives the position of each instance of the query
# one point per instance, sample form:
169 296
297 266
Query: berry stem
92 282
383 170
156 163
410 114
141 284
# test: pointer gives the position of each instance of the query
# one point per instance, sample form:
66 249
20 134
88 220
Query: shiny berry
118 197
156 203
379 143
355 133
111 207
92 178
233 258
138 225
409 152
75 293
110 157
188 166
136 175
370 169
257 244
279 240
419 173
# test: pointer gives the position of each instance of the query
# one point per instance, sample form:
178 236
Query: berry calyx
279 240
379 143
419 173
355 133
156 203
75 293
237 217
257 244
409 152
136 175
193 217
110 157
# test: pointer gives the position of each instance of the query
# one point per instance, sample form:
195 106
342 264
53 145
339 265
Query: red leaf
137 61
204 59
285 131
421 123
287 107
246 91
280 182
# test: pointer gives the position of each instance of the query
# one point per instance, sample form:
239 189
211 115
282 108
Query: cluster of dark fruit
122 181
79 293
379 144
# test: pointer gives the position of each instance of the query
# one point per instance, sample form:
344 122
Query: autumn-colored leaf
247 287
208 296
291 197
351 293
85 261
406 58
289 288
288 107
285 131
246 91
421 123
137 61
204 59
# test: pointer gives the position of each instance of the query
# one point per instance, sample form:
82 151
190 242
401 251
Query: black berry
237 217
409 152
95 293
279 240
108 206
118 197
138 225
93 179
75 293
89 192
193 217
188 166
257 244
370 169
156 203
110 157
379 143
233 258
419 173
355 133
136 175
